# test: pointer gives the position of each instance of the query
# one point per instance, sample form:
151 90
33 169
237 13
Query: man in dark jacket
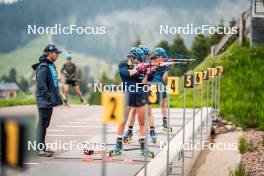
47 93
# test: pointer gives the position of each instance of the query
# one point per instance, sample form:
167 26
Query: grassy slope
23 57
242 92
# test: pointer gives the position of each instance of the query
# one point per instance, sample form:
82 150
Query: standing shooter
132 116
161 76
132 78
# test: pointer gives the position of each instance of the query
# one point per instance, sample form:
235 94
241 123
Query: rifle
161 62
158 60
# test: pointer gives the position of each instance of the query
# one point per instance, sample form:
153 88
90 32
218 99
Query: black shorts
137 100
164 95
71 82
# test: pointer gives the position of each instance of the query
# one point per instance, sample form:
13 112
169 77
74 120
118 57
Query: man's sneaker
44 153
118 148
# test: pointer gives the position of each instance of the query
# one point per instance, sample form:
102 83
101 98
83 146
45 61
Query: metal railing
241 25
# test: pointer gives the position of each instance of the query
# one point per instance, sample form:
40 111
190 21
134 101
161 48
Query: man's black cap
51 48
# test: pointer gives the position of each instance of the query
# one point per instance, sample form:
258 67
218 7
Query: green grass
238 171
245 146
75 100
242 145
241 86
22 58
17 101
21 99
25 99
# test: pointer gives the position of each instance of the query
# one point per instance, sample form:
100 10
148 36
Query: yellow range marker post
198 78
114 107
12 143
220 70
206 79
205 75
173 85
211 73
188 81
215 72
153 98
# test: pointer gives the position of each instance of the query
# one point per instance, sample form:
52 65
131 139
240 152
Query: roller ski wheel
115 152
167 129
148 153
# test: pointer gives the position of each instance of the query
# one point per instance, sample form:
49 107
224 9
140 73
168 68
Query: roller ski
128 136
117 150
148 153
165 125
144 150
153 136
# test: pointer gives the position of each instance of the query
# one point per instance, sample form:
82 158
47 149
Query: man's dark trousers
43 123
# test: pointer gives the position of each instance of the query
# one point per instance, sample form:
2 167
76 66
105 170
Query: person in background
69 69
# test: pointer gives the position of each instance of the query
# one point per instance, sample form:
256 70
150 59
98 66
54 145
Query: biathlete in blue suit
132 77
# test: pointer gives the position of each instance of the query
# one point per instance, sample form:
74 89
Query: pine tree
178 47
13 75
165 45
24 85
200 47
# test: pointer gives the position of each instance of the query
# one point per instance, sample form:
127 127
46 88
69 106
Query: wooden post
242 24
213 50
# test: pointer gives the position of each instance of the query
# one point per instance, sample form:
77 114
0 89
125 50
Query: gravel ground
253 162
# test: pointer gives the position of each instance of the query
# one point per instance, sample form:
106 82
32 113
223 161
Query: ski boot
165 125
153 136
118 148
144 150
128 136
